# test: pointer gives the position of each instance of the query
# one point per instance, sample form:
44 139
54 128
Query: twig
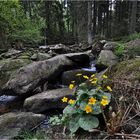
127 113
64 130
106 137
37 126
131 118
127 135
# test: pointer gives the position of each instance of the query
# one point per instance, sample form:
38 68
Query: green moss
8 67
129 69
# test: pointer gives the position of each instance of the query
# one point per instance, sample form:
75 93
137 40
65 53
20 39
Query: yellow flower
71 86
71 101
93 75
86 77
88 109
104 76
109 88
72 81
78 74
92 101
94 82
105 97
65 99
104 102
95 78
91 80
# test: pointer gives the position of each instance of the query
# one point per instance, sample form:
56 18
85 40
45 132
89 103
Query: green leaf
108 95
69 110
88 122
82 97
92 92
83 105
81 91
83 86
73 124
96 109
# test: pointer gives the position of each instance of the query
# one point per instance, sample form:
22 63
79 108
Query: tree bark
90 32
133 17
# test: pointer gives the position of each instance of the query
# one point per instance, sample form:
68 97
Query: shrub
120 49
91 99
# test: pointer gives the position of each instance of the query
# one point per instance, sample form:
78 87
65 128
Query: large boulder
8 67
37 73
69 76
107 58
11 53
12 124
47 100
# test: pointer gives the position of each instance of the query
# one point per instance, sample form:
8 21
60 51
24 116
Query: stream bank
38 86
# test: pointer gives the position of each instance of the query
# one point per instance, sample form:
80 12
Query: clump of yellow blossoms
91 99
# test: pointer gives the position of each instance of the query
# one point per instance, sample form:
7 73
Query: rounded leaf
88 122
92 92
69 110
96 109
73 124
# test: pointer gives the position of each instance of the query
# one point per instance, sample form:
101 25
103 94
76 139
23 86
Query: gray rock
8 67
26 79
107 58
43 56
69 76
40 56
97 47
34 57
44 47
50 99
10 53
59 48
110 46
12 124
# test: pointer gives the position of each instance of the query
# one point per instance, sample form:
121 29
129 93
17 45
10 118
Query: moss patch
8 67
129 70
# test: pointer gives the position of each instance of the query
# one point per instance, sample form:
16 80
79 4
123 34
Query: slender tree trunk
133 17
90 32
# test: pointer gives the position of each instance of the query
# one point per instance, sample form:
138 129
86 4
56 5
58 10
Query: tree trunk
90 32
133 17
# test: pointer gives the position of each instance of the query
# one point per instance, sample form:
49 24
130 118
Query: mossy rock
129 70
125 78
8 67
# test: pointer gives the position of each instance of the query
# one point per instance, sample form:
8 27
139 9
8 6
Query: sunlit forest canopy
33 22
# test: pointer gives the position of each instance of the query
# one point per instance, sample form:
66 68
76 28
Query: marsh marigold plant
90 100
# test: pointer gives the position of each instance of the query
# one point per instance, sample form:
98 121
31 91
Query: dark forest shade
30 23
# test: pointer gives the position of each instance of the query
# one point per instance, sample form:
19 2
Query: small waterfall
92 67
